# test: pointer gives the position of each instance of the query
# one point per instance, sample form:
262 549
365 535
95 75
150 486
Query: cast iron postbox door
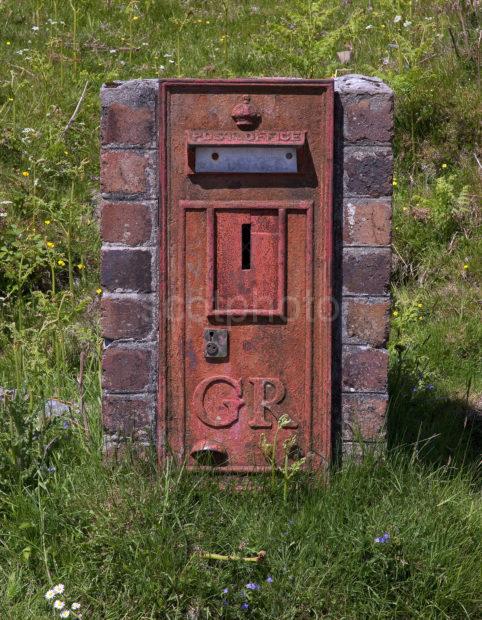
245 264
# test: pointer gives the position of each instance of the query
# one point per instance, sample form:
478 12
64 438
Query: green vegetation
125 541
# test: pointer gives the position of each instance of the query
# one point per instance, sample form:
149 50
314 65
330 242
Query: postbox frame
321 421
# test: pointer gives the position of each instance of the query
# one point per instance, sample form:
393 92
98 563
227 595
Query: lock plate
215 343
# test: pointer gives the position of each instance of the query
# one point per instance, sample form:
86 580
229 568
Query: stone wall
362 214
129 273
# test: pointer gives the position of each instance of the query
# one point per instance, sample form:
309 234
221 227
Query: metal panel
273 299
243 159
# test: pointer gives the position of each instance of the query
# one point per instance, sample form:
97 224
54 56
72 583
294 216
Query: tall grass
126 543
127 540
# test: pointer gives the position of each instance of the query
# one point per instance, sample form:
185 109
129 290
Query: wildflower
226 590
46 222
407 24
420 305
395 313
98 291
135 18
66 152
420 318
466 266
35 28
112 51
59 589
383 539
50 244
65 613
269 579
25 173
59 604
397 18
430 387
253 586
8 42
244 605
61 263
52 469
66 425
10 98
80 266
394 182
50 594
75 606
369 27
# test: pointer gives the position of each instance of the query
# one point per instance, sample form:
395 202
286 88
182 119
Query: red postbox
245 264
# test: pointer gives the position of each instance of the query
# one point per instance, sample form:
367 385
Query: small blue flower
414 389
383 539
269 579
253 586
226 590
245 605
52 469
66 425
430 387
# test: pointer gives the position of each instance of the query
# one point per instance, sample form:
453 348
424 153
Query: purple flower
66 424
245 605
383 539
269 579
253 586
52 469
226 590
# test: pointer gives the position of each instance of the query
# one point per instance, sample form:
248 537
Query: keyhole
246 246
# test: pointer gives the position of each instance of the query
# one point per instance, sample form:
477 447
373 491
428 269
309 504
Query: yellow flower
98 291
466 266
420 305
394 182
135 18
444 166
10 98
66 152
8 42
61 263
50 244
405 208
420 318
47 222
25 173
395 313
81 266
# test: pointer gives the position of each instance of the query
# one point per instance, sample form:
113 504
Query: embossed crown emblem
246 115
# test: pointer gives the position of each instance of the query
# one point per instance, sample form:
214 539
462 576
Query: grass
124 539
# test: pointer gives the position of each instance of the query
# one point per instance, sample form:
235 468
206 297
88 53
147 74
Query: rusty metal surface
251 254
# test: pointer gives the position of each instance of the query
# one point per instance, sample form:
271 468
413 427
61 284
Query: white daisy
59 604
